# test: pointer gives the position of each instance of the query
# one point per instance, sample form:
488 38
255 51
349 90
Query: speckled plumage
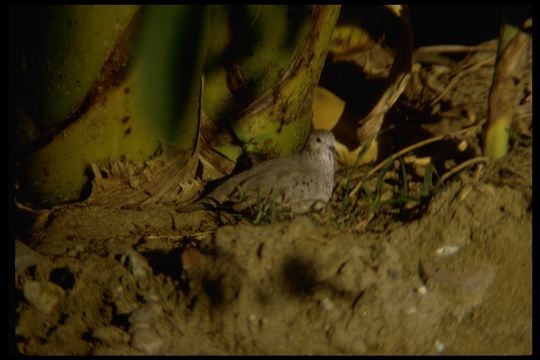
299 181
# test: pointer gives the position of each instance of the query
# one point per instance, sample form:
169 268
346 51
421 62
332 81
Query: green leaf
170 53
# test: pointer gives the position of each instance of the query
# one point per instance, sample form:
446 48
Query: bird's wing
263 181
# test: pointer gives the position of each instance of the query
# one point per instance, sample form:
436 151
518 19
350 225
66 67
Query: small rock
136 264
148 313
439 345
327 304
110 335
42 294
146 339
192 260
447 250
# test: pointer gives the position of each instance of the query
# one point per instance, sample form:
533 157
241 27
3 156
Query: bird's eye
318 140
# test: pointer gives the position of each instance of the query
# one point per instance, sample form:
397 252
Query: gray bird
299 182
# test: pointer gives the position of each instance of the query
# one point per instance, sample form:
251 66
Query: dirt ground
457 279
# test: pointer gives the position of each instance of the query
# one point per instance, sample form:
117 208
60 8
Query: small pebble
136 264
42 294
192 259
327 304
463 145
148 313
447 250
110 334
146 339
410 311
439 345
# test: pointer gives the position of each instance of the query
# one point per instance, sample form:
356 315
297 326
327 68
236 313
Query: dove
300 181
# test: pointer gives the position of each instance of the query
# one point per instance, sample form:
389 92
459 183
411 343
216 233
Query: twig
460 74
410 148
177 237
463 165
455 48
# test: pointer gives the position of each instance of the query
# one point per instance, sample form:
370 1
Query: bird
298 182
